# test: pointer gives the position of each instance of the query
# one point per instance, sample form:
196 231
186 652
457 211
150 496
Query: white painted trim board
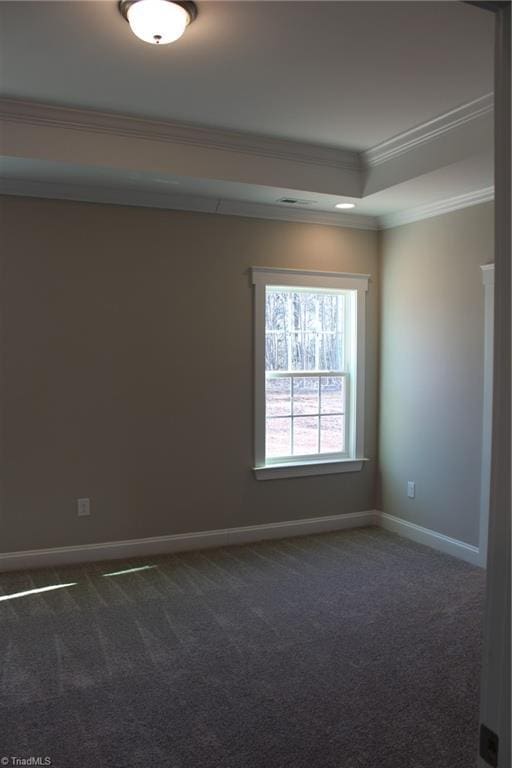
201 204
429 130
430 538
438 208
485 483
91 121
158 545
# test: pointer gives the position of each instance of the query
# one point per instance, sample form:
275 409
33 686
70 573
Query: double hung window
309 343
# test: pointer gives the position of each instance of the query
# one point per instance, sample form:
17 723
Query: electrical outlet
83 507
411 489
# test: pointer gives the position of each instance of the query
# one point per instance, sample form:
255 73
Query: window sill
276 471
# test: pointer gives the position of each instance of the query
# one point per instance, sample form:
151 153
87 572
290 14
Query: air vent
294 201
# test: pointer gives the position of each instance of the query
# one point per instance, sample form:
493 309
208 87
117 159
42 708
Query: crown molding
92 121
428 131
436 209
301 215
203 204
23 113
195 203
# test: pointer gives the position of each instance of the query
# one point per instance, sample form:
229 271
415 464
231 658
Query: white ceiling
348 74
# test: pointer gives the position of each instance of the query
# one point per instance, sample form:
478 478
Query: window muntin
306 380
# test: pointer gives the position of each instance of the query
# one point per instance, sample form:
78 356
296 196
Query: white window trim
261 277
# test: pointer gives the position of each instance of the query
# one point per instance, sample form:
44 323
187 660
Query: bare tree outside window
304 333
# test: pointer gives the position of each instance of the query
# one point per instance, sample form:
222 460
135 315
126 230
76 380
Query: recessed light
345 206
158 21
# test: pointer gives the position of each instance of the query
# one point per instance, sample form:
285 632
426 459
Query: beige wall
431 377
110 389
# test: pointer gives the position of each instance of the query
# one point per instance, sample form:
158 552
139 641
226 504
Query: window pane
298 312
276 309
305 435
330 352
278 437
305 395
311 311
333 394
276 352
332 434
331 308
303 351
278 397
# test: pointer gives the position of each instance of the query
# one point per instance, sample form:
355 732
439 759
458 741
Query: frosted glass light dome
157 21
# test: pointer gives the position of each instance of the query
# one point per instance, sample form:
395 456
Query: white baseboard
432 539
158 545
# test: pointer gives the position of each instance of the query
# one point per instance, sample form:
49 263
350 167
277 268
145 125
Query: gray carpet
346 650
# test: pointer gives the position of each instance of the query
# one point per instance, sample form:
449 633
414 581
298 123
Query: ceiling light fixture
158 21
345 206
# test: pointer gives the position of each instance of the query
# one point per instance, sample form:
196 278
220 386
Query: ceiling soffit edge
176 202
199 204
36 114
